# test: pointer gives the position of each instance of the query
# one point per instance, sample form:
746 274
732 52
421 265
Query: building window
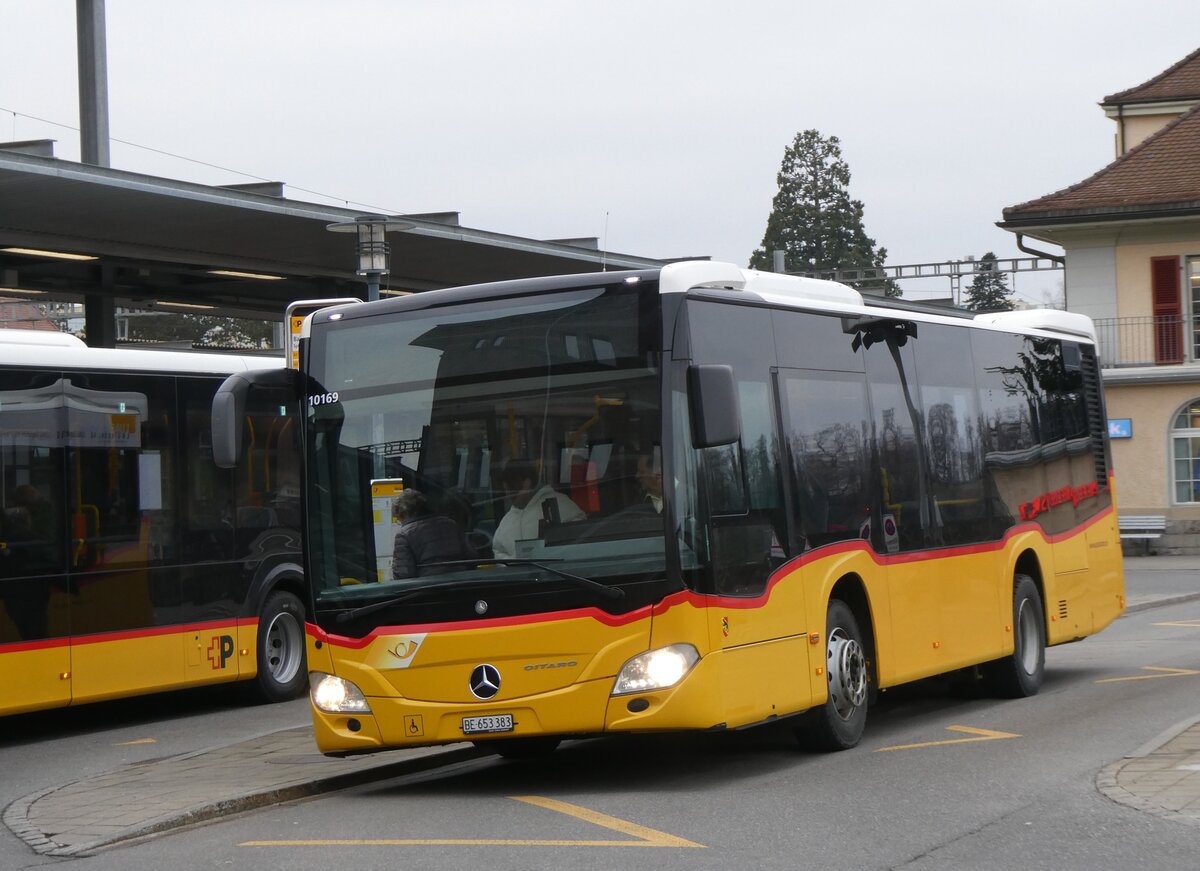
1192 276
1185 440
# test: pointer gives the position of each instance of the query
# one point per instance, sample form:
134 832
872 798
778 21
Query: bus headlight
336 696
656 669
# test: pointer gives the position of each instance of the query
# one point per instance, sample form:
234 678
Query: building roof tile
1179 82
1160 173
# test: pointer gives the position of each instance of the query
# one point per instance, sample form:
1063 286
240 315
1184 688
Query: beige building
1131 240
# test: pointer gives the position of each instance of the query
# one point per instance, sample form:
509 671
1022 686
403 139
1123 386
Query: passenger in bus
34 520
31 549
649 475
424 538
532 503
33 512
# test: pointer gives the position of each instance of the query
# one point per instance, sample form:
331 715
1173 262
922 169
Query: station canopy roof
156 242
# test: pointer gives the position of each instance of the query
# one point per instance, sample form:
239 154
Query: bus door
211 575
120 460
759 629
35 656
935 517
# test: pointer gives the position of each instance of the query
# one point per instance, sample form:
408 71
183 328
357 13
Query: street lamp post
372 247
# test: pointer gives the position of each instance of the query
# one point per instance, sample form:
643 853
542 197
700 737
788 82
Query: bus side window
954 456
208 532
825 430
895 405
123 457
32 515
1007 434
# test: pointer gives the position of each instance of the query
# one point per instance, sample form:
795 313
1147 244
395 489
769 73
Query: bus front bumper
582 709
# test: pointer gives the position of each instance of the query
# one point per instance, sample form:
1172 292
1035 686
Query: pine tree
989 290
813 219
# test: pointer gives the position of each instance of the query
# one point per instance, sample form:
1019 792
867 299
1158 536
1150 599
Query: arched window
1185 440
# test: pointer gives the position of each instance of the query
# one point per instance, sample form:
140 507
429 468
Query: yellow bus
691 498
129 562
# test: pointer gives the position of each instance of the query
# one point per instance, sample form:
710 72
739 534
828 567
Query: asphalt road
943 780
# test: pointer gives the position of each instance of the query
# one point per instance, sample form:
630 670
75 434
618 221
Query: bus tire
839 723
522 749
1020 674
282 672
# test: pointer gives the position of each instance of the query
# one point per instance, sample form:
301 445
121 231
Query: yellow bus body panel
90 668
35 677
147 661
761 657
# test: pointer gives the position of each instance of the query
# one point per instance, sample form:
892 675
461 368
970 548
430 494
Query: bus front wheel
839 723
282 673
1020 674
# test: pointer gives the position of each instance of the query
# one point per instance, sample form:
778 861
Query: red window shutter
1168 320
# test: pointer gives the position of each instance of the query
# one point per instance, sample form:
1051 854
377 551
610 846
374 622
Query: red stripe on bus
495 622
127 635
701 600
43 644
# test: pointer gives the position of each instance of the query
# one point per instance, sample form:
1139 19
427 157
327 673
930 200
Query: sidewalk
1162 778
155 796
1155 581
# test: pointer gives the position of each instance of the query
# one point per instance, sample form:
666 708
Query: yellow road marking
1190 624
138 741
646 837
980 735
649 837
1164 672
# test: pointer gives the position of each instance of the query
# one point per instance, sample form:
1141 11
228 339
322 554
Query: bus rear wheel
282 673
839 723
1020 675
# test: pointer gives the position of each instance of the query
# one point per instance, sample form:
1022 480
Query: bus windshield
490 458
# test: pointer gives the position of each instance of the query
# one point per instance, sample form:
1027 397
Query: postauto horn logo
397 651
220 650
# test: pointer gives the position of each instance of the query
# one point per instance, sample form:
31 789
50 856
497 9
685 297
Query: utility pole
93 82
100 314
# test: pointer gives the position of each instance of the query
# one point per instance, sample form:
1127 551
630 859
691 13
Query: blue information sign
1120 428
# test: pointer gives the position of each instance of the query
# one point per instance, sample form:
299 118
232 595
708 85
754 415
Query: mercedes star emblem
485 681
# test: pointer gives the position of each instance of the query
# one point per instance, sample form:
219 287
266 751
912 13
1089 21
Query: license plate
492 723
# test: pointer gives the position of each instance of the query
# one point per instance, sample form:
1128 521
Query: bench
1142 526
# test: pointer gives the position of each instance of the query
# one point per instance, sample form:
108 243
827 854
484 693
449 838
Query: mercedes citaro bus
130 562
690 498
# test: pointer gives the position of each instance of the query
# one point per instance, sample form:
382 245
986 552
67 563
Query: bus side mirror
229 408
713 400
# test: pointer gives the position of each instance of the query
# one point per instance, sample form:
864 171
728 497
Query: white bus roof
830 296
44 349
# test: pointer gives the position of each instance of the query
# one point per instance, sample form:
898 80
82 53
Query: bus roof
811 293
790 291
44 349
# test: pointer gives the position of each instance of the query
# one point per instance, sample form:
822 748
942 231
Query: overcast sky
657 126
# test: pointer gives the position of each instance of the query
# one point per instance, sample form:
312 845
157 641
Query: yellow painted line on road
138 741
980 735
1163 672
1189 624
646 837
649 837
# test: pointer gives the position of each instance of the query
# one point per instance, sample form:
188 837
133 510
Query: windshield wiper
347 616
578 580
